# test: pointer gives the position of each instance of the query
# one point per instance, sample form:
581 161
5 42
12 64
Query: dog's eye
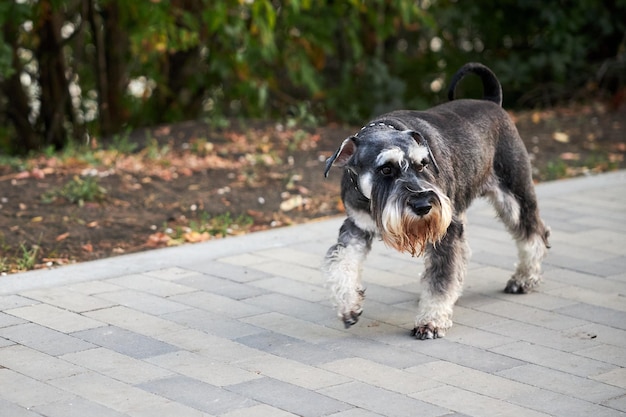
386 170
420 167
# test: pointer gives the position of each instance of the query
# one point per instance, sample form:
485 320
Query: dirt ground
193 181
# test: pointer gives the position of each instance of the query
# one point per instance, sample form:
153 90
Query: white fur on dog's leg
434 315
527 275
342 268
442 285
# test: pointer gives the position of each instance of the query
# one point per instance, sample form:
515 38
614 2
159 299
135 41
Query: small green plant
555 170
27 258
122 144
4 265
78 191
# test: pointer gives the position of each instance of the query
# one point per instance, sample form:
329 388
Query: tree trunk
52 76
18 107
115 55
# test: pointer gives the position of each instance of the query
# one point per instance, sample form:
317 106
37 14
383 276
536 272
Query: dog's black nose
421 205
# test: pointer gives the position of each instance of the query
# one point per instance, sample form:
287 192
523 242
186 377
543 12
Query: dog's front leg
442 283
342 268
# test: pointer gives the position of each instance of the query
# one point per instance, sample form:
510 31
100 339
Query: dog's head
397 172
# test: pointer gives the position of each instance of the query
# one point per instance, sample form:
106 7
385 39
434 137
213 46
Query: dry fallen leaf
62 236
560 137
87 247
195 237
158 239
292 203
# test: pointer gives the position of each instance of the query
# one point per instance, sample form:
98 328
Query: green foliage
164 61
78 191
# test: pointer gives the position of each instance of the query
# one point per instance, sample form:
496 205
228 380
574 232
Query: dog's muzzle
422 203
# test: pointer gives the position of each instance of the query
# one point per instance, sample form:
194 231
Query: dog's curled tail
492 90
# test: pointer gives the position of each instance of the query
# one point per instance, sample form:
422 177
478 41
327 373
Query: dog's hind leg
442 283
342 267
518 211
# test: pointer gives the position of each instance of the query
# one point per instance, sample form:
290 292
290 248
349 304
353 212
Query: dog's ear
340 158
421 140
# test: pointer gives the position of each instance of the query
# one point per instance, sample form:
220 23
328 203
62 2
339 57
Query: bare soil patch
193 181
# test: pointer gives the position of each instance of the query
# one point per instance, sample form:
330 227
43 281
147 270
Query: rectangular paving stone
55 318
616 376
44 339
217 304
237 273
215 347
93 287
213 323
587 296
169 409
553 359
606 353
222 286
472 404
125 342
518 312
618 403
588 281
290 348
198 395
174 273
151 285
203 368
359 412
117 365
244 259
292 288
134 320
292 256
5 342
75 407
563 383
596 314
294 399
381 376
144 302
7 320
461 354
599 334
565 340
285 304
261 410
109 392
14 301
28 392
559 405
378 352
291 271
291 371
378 400
36 364
72 301
473 380
8 409
466 335
298 329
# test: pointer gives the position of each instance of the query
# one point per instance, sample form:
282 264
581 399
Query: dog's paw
351 318
427 331
519 286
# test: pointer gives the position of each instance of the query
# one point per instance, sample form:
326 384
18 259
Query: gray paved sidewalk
243 327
